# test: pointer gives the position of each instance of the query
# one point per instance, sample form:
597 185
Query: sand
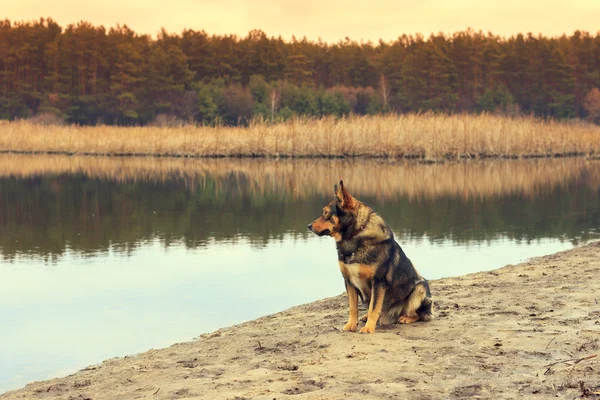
523 331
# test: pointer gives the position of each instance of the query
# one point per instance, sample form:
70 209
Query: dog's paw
350 326
407 320
364 318
367 329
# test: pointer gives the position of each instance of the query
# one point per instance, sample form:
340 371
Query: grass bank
424 136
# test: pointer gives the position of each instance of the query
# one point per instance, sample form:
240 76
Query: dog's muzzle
322 233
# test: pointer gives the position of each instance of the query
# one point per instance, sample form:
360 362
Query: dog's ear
344 199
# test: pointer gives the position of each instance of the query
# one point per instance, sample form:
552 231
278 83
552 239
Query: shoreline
531 329
350 157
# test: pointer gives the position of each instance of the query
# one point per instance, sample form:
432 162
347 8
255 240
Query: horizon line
425 36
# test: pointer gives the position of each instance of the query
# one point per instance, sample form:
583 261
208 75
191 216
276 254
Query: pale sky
330 20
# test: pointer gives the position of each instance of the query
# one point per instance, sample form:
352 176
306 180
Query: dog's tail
425 310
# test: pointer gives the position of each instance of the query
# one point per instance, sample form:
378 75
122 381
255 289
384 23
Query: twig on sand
573 360
259 345
337 329
585 392
552 340
157 390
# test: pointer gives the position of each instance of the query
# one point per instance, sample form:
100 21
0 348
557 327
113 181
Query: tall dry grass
302 179
426 136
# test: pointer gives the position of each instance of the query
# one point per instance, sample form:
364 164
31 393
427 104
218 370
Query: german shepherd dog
373 265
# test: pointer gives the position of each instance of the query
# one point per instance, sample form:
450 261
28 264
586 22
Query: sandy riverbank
523 331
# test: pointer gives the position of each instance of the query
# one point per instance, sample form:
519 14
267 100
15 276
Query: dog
373 265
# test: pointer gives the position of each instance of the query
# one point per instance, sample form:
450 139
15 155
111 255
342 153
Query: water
104 257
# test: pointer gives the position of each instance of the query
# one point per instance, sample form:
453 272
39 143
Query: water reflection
51 203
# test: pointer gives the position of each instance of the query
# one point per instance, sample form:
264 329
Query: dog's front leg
377 296
353 302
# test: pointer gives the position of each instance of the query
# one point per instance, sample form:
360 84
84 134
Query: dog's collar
356 232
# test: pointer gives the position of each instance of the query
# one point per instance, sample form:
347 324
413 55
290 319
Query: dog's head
337 216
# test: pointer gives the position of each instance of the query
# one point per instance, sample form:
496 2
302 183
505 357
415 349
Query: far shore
530 330
416 158
425 137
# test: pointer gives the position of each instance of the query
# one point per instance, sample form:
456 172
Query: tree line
86 74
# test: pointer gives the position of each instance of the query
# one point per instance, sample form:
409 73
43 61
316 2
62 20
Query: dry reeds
424 136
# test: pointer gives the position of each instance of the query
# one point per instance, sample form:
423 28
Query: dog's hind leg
418 306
